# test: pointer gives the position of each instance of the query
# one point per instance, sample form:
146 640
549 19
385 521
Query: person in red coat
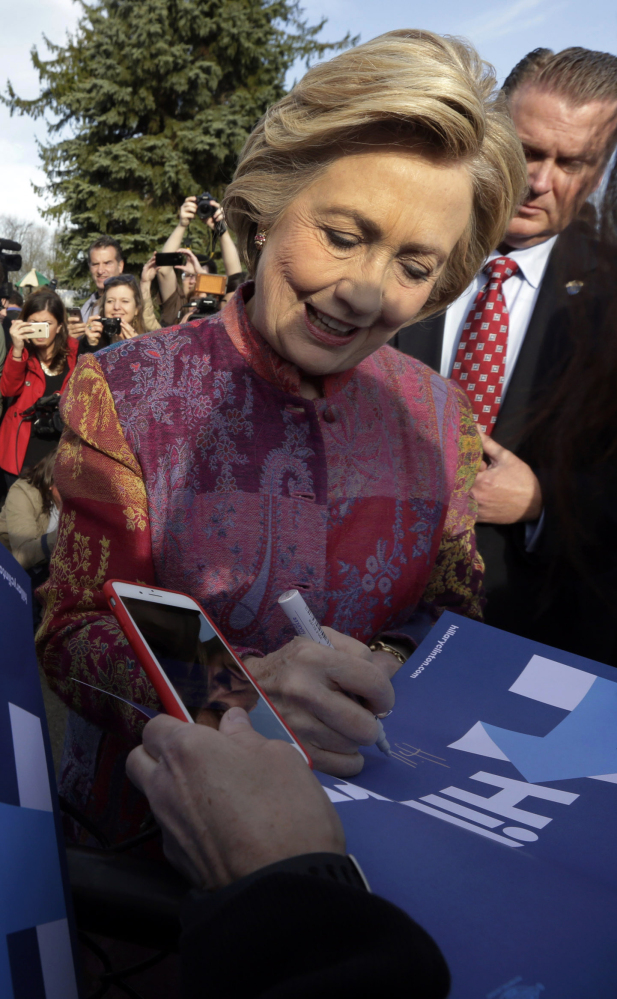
34 369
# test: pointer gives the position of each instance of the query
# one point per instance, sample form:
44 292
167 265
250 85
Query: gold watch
379 646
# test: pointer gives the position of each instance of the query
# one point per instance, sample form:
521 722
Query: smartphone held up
36 331
196 674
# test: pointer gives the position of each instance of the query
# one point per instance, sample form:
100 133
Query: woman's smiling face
356 255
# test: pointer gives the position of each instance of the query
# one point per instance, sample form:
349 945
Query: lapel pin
573 287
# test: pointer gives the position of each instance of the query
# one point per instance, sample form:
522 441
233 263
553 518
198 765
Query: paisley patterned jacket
190 461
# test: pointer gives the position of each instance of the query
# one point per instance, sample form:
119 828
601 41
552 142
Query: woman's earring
260 238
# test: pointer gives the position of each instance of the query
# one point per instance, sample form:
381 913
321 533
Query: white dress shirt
520 291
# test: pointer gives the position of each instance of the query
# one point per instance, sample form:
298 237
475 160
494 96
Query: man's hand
230 802
506 489
188 211
308 684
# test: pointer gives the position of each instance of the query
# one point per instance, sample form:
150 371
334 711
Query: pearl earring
260 238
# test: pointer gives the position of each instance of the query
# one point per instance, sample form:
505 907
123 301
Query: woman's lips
329 339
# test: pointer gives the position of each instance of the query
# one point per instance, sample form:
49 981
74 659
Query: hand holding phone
230 802
196 674
36 331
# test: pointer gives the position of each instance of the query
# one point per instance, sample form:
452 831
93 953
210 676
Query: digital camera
204 209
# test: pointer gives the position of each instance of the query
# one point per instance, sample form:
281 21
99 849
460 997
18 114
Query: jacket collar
260 356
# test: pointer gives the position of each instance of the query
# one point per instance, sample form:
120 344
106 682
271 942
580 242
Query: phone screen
203 672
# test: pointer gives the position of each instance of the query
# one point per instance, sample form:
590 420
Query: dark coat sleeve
294 936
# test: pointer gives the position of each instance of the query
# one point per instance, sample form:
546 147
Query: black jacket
513 580
285 935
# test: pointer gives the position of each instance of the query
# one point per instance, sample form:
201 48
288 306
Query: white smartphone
196 674
39 331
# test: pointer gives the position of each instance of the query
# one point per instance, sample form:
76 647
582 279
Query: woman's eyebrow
374 231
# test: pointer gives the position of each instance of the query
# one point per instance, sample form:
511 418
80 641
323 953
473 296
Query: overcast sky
502 30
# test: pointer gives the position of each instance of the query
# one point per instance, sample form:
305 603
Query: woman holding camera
36 367
122 315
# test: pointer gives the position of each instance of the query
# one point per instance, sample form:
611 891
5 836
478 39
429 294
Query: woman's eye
343 241
416 273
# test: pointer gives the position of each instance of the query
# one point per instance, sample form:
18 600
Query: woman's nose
363 293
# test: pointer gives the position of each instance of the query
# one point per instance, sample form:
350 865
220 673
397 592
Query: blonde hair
409 88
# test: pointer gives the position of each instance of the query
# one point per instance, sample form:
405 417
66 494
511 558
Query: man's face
104 264
566 151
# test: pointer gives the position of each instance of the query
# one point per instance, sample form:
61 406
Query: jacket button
28 384
329 415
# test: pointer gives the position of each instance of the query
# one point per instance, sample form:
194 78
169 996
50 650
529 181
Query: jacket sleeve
151 322
293 936
103 533
22 524
455 583
13 374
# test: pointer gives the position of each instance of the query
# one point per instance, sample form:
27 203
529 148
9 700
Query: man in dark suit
564 108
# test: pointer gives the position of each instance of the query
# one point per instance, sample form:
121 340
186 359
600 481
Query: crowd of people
403 404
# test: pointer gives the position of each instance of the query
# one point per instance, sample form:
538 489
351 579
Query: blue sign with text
36 955
493 822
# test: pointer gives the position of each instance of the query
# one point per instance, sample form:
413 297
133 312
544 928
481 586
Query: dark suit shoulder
423 340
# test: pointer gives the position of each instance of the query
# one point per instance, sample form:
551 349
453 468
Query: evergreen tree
151 100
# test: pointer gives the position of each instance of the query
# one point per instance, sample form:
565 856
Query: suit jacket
512 579
294 936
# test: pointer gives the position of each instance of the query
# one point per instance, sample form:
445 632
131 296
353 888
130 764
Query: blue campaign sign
492 825
36 954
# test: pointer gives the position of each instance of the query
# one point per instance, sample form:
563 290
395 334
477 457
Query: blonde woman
283 443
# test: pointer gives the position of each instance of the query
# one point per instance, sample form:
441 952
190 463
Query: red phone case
170 700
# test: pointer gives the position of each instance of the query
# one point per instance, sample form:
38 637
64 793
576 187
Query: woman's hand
190 259
149 271
76 328
94 330
126 330
308 684
18 329
230 802
188 211
217 217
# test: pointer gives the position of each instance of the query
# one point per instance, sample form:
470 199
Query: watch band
379 646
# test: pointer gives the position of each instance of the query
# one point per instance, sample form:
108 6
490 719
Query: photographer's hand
188 211
149 271
18 329
76 328
126 330
217 217
94 330
192 259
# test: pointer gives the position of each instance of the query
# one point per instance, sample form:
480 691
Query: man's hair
102 243
408 88
580 75
16 299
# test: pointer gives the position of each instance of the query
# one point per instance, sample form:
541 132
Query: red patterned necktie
480 361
